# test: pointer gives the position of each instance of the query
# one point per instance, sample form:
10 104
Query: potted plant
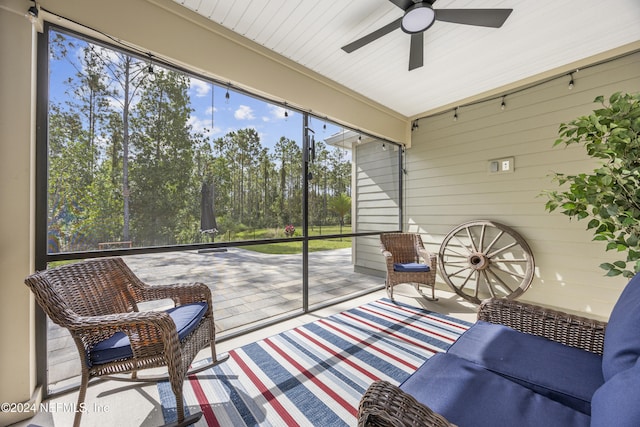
609 196
289 230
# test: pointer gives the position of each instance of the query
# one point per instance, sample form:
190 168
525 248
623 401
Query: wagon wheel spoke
484 228
473 244
463 244
502 268
455 273
489 286
467 279
499 280
493 242
461 255
492 254
512 273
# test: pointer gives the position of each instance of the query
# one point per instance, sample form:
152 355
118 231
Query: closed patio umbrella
207 213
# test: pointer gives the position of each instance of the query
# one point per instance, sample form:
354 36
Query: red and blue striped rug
315 375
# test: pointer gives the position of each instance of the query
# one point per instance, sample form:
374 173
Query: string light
571 81
503 105
455 115
227 96
414 125
359 139
32 13
384 147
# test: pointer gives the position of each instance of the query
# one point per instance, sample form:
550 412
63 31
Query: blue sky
213 116
242 111
238 112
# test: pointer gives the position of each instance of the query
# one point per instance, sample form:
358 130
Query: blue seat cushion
621 339
565 374
616 402
186 317
469 395
410 267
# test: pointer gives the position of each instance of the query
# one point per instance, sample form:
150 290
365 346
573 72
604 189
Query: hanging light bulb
571 81
359 139
503 105
227 96
455 115
32 13
384 147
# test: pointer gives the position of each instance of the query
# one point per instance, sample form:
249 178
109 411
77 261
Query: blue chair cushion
621 339
411 267
469 395
564 374
616 402
186 317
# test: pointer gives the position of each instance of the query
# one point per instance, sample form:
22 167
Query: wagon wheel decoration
483 259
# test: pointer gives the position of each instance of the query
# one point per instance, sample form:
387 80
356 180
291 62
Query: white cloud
203 126
244 112
276 111
201 88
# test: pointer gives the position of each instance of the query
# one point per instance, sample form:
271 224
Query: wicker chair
386 405
402 253
97 301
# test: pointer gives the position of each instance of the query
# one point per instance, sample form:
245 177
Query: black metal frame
42 257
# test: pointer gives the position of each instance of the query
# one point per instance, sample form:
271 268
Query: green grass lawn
295 247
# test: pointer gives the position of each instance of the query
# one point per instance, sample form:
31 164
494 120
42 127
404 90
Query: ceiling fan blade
416 53
372 36
480 17
402 4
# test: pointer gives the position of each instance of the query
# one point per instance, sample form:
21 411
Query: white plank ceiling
460 61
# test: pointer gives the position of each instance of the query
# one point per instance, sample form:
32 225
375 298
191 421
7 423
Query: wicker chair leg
81 396
182 420
433 292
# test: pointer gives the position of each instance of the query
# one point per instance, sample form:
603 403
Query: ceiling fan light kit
419 16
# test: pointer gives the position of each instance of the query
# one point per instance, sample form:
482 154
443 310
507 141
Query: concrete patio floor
248 287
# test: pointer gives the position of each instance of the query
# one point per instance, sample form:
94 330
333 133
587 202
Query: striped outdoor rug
315 375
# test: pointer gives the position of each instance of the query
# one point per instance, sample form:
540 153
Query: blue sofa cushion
469 395
186 317
621 339
565 374
411 267
616 402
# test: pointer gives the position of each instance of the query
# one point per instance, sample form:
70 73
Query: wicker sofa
523 365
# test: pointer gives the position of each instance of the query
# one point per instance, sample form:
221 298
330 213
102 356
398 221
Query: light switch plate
503 165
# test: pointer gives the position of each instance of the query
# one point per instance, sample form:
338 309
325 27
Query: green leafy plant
609 196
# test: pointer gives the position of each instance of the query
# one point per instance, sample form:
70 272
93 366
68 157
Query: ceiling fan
418 17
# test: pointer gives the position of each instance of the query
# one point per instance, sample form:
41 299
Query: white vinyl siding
375 201
448 180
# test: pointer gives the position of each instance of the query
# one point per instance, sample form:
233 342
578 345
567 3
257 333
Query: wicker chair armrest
384 404
180 293
568 329
428 257
116 320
